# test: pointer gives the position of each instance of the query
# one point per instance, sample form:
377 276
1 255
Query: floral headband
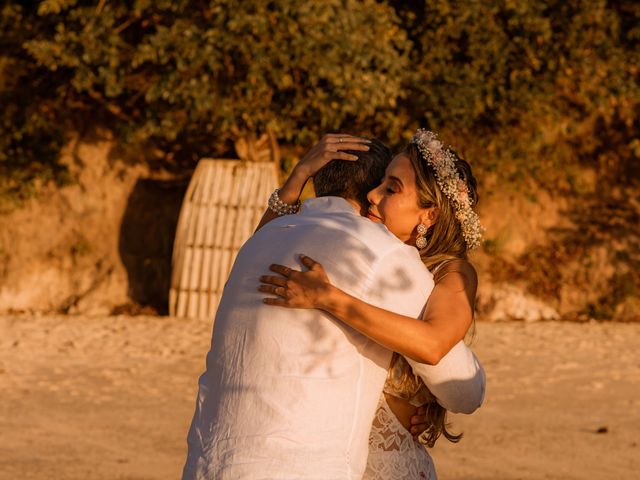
443 163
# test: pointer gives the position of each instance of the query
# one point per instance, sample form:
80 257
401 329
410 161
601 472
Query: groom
291 394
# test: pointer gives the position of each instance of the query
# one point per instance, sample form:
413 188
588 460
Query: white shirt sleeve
402 284
458 381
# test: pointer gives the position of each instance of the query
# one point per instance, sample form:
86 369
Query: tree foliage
531 87
526 89
193 76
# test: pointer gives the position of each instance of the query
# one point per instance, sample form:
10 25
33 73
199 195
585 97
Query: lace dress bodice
393 452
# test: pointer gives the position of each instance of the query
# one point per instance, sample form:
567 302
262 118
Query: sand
112 398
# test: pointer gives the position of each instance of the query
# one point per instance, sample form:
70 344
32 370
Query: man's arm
457 381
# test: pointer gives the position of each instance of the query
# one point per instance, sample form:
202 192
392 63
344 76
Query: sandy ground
112 398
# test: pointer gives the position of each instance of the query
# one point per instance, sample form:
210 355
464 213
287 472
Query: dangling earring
421 240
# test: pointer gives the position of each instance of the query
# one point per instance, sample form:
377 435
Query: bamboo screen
223 204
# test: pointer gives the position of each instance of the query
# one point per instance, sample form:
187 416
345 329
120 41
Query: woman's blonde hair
445 242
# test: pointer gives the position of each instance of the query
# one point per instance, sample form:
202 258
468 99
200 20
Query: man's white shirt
291 393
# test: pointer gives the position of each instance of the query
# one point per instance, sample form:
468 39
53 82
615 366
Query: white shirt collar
328 204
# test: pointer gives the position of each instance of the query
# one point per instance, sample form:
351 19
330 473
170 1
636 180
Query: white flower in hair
443 163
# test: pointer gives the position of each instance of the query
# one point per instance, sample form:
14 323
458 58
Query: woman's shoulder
456 272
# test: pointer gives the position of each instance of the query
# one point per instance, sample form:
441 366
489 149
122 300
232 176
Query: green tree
192 76
529 90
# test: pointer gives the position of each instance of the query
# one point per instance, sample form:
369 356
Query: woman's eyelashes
388 186
392 188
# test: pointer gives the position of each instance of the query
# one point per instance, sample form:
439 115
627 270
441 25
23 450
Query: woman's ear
429 216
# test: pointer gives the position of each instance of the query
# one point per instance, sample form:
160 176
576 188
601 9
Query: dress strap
440 265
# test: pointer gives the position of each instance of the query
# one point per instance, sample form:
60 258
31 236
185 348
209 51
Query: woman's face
395 201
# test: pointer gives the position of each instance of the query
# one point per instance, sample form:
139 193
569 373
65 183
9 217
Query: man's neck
360 210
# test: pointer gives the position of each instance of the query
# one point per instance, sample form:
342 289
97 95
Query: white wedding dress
393 452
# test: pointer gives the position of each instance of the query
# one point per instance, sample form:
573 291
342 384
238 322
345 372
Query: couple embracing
342 360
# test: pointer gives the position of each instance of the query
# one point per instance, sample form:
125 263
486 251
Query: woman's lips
373 217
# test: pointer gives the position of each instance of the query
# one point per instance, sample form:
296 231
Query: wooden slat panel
215 226
227 237
178 256
207 261
191 263
241 231
223 205
223 227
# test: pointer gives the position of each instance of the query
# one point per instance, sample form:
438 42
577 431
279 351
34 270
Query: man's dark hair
353 180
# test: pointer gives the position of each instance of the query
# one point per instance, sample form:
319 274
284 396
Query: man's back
292 393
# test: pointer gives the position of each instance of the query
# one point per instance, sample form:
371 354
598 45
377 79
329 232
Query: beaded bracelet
279 207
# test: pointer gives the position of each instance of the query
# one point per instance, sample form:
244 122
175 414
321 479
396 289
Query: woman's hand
295 289
419 421
331 147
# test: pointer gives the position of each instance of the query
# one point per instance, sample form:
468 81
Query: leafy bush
192 76
530 88
524 88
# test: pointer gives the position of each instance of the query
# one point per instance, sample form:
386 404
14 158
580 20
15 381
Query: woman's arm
289 193
447 317
331 147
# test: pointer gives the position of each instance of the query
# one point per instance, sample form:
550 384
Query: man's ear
429 216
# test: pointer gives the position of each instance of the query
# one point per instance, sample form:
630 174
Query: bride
426 199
